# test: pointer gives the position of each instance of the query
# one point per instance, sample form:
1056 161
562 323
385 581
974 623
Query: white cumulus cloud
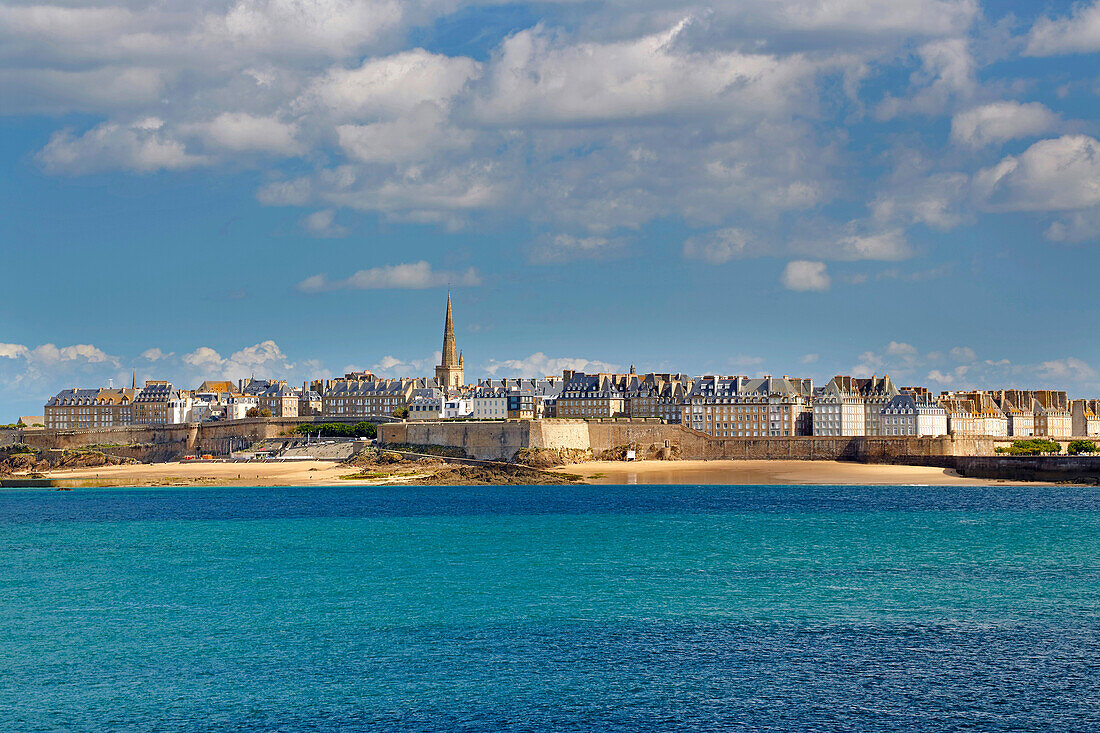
391 86
14 351
803 275
1079 32
141 146
240 131
265 360
720 247
405 276
1052 175
538 78
998 122
541 365
323 224
312 27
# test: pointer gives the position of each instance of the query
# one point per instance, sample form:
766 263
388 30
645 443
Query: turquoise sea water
550 608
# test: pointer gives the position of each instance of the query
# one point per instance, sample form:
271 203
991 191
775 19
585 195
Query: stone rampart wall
501 440
1078 469
9 437
488 441
165 442
693 444
554 434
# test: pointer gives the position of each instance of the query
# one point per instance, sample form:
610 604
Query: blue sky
288 188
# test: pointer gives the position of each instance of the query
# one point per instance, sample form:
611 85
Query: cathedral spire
450 373
450 351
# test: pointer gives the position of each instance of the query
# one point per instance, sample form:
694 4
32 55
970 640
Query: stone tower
450 373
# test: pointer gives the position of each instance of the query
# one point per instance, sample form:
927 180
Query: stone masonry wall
490 441
1078 469
501 440
9 437
168 441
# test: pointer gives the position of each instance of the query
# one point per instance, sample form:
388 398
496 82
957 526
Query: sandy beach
766 473
194 473
322 473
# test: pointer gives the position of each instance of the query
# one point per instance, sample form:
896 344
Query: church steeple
450 372
450 351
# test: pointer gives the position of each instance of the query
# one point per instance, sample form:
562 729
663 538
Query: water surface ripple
551 608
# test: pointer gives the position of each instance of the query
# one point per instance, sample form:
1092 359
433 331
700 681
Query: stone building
309 402
450 374
913 414
1051 410
1052 416
152 406
426 403
353 396
219 386
962 417
546 392
657 396
1086 418
1020 417
592 396
974 413
238 404
89 408
735 407
852 406
281 399
456 406
489 399
513 398
181 407
522 404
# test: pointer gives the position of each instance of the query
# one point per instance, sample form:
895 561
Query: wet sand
766 473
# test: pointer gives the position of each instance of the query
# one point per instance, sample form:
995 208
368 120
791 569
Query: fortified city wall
1078 469
9 437
171 442
501 440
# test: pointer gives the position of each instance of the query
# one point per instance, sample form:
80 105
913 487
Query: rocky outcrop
651 452
90 459
495 475
551 457
22 463
433 471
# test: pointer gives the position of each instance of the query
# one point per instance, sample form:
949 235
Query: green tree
365 430
338 430
1033 447
401 412
1078 447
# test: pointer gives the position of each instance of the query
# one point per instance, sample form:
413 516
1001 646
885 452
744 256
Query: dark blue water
551 608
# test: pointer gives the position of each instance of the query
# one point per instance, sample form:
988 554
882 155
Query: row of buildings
721 406
158 402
